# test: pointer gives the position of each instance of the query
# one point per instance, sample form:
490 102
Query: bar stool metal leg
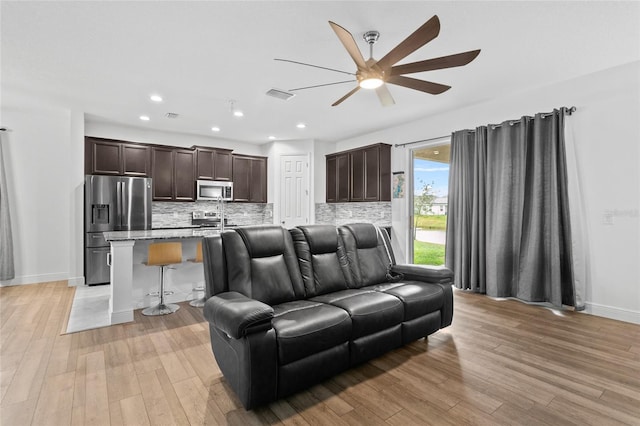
162 308
163 255
198 303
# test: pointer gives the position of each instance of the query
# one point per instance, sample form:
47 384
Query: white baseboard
76 281
35 279
121 317
611 312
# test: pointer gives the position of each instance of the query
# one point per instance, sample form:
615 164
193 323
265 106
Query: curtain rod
420 141
569 111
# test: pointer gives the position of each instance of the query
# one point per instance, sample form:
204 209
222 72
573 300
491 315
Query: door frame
410 189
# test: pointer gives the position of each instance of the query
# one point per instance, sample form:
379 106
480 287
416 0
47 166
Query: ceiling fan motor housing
371 37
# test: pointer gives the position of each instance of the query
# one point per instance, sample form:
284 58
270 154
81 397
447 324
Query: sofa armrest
425 273
237 315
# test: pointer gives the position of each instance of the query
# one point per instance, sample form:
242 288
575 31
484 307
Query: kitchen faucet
221 212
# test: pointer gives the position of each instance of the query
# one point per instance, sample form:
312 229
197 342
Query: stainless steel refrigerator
112 203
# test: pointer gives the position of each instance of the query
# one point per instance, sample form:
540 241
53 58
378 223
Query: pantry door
294 190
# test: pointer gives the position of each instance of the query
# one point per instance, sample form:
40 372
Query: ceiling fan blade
322 85
442 62
385 96
350 44
339 101
423 35
423 86
315 66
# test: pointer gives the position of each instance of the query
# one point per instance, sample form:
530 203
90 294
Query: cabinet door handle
109 259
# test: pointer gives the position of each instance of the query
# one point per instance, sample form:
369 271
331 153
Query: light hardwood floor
502 362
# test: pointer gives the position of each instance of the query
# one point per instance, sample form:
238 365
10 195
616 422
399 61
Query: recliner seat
288 309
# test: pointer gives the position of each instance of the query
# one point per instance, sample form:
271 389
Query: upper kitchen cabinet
338 180
249 178
362 174
117 158
173 174
183 175
213 164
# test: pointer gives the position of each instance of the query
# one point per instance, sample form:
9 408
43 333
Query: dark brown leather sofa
290 308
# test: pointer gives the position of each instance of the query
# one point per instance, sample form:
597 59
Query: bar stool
198 303
163 255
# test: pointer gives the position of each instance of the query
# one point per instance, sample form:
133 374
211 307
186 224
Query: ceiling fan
374 74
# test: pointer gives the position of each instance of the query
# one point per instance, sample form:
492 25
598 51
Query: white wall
320 167
606 129
76 199
38 148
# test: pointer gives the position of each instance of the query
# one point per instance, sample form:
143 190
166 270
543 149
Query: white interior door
294 191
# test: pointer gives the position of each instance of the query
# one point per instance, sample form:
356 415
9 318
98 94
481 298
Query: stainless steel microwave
215 190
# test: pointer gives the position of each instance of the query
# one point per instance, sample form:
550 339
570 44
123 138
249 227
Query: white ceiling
106 58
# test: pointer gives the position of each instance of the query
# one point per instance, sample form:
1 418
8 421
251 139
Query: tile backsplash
378 213
165 214
174 215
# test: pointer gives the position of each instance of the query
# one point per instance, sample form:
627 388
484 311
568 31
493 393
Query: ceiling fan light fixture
371 83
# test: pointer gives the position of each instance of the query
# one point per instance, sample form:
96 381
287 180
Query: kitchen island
131 280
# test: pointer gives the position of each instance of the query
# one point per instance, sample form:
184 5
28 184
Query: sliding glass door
430 171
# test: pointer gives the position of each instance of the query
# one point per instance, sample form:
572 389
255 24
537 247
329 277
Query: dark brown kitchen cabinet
213 164
183 175
356 163
162 162
372 174
338 180
362 174
136 160
173 174
249 179
117 158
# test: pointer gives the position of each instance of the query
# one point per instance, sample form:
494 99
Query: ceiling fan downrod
371 37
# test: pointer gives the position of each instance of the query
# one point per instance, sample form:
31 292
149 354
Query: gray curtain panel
465 238
508 231
7 271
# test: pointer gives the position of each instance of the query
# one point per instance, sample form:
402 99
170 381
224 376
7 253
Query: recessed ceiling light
271 138
301 125
156 98
238 113
144 117
215 129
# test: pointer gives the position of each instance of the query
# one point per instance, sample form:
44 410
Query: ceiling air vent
172 115
280 94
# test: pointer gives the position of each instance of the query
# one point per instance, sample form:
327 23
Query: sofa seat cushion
305 327
418 298
371 311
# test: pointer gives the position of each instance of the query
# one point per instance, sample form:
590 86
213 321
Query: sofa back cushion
262 264
367 256
215 266
322 259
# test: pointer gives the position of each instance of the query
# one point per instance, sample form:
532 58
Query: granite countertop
160 234
177 227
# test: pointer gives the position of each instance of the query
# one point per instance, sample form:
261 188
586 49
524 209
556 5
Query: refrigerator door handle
118 205
124 205
124 211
